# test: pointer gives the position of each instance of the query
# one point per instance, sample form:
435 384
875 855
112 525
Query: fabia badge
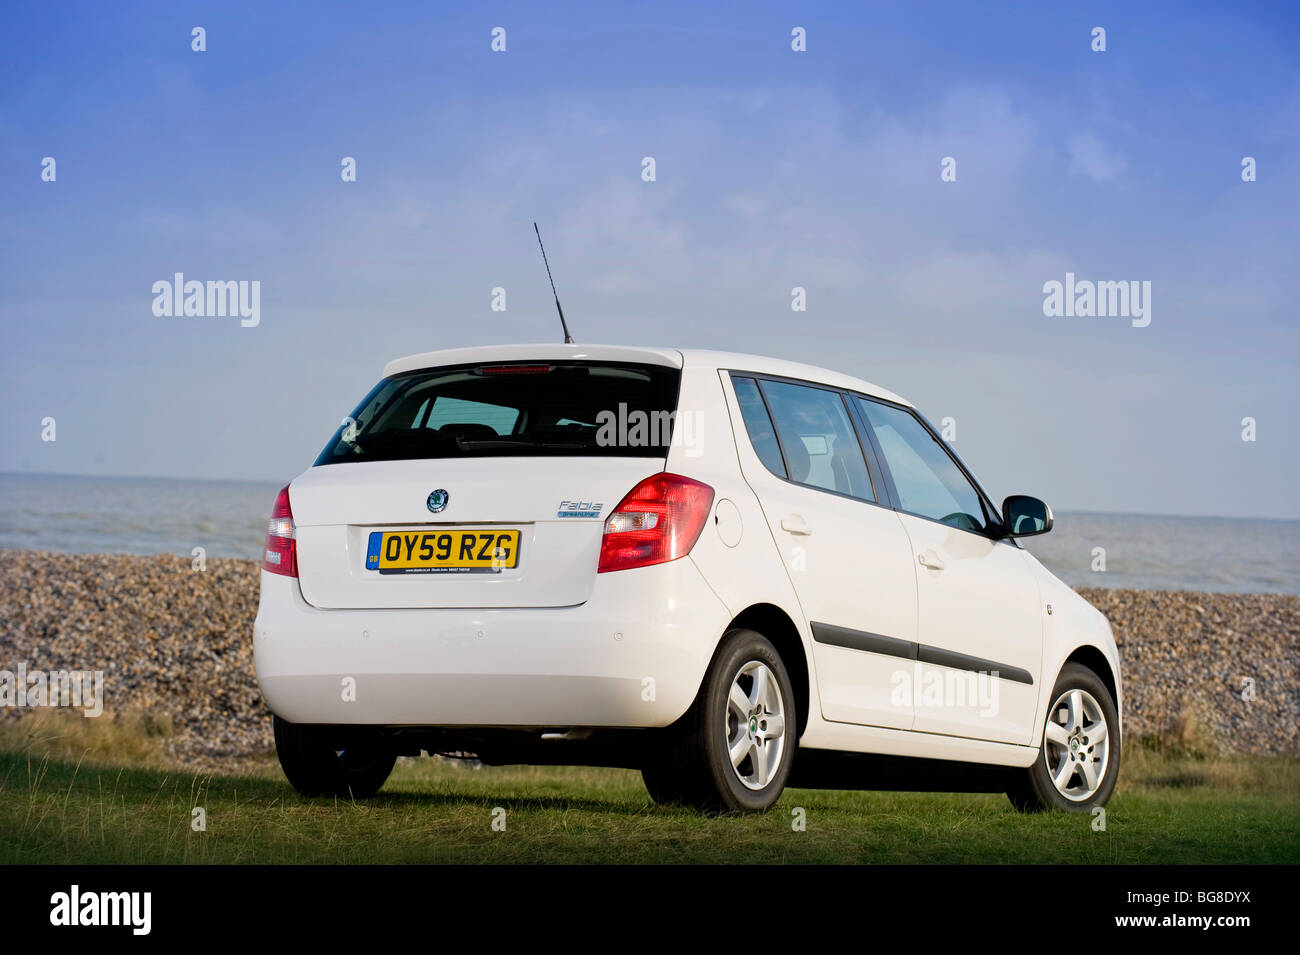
437 500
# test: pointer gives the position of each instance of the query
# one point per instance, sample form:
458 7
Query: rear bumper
633 655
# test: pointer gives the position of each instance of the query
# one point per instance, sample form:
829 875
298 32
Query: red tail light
659 520
280 556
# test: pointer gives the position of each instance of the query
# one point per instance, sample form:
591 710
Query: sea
118 515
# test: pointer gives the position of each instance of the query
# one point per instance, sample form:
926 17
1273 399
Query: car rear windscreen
549 408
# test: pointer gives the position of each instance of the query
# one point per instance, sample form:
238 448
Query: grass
76 793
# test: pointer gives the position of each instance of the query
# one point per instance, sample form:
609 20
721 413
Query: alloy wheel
1076 745
755 724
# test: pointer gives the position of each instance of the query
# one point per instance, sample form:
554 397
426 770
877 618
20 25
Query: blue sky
774 169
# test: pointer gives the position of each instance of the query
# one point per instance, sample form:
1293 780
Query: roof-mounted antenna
568 339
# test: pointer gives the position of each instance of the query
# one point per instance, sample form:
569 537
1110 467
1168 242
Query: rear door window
818 444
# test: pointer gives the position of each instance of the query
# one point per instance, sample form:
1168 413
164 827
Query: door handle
930 559
794 524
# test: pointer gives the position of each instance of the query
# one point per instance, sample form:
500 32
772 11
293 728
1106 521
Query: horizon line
225 480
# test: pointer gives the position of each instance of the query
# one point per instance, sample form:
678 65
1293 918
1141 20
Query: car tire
332 761
1079 754
662 783
745 707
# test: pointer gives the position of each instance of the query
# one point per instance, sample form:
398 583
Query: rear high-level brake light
280 555
513 369
659 520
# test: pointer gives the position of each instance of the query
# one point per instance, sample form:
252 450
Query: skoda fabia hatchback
731 573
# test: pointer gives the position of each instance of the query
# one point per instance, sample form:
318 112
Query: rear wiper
464 443
472 443
384 439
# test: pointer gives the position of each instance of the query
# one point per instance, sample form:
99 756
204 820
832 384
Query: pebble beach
1220 671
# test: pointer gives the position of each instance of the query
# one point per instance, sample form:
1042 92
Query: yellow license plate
442 552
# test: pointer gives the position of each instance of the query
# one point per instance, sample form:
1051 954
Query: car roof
669 357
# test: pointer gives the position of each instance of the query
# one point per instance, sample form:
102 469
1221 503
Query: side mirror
1025 516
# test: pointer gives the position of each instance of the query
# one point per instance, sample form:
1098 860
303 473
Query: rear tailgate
480 483
336 508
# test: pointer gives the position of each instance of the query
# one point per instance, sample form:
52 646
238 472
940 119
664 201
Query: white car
731 573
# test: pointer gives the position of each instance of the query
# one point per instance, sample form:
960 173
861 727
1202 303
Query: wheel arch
1092 658
775 624
1095 660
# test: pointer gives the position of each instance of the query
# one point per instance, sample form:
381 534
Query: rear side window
759 425
535 409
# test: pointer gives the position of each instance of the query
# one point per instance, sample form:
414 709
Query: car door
979 614
846 553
